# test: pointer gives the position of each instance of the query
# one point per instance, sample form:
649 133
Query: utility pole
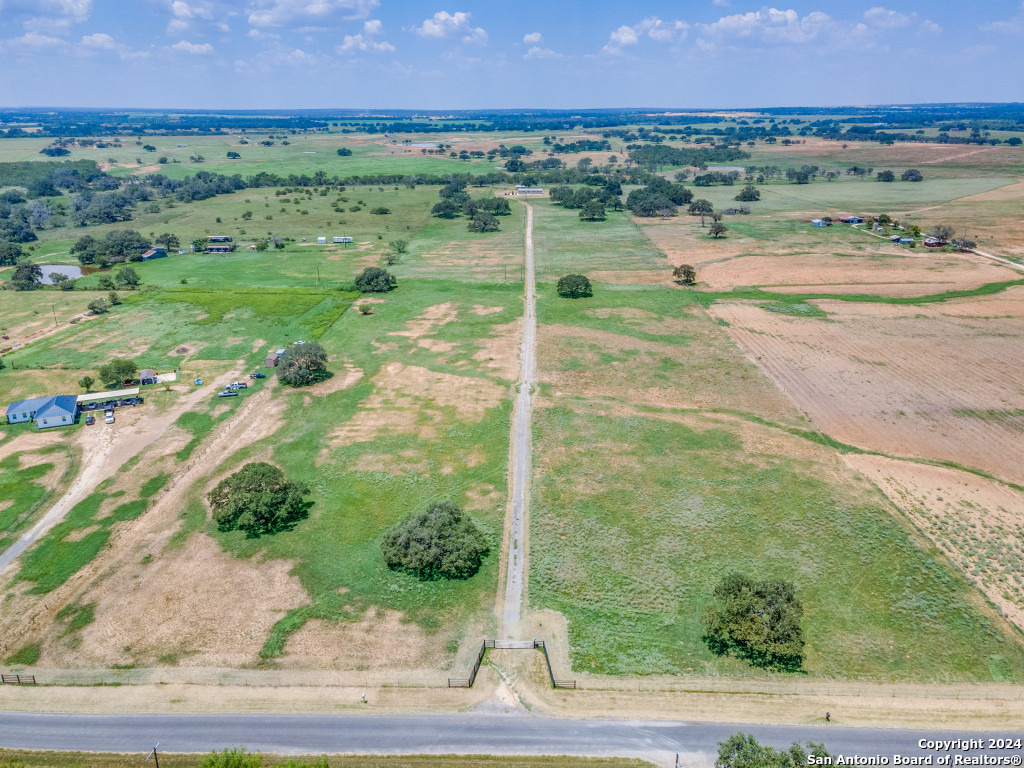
317 275
154 755
54 310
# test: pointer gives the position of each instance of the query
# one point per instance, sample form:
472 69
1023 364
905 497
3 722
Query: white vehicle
108 417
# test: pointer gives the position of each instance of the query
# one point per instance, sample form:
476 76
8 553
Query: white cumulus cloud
444 25
364 40
533 38
278 13
656 29
199 49
1012 26
536 52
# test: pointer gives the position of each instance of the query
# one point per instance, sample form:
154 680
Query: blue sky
284 54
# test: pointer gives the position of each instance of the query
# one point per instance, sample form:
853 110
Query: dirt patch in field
412 399
500 352
378 641
31 441
479 309
977 523
387 346
877 272
343 379
482 496
632 277
186 349
199 607
708 372
428 321
401 463
937 381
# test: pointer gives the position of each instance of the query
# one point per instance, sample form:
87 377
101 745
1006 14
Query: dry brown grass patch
410 399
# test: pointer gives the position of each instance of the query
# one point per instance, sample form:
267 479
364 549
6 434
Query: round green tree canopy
441 543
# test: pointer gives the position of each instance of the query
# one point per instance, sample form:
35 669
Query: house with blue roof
46 412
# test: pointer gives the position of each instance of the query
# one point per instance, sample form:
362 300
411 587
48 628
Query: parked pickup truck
227 393
108 417
257 375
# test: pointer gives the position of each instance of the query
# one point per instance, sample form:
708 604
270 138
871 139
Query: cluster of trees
442 542
115 374
758 621
911 174
749 194
659 198
716 177
574 287
742 750
375 280
657 156
684 274
483 212
591 200
118 246
583 145
303 364
258 499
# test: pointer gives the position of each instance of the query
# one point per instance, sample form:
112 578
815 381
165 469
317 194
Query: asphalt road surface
520 453
464 733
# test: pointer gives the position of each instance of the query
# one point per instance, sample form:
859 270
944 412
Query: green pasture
636 518
60 554
446 249
338 545
21 495
565 244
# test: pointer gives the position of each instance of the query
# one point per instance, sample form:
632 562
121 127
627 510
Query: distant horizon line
512 110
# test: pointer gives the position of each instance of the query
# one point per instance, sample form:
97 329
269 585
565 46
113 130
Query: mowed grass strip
563 243
73 543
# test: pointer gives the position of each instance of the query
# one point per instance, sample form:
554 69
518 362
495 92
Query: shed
906 241
819 223
147 376
342 239
321 240
853 220
219 239
932 242
156 252
218 249
271 360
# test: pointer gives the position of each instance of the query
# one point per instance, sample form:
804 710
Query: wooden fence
18 679
510 645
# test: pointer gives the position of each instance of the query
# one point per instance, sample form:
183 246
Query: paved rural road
466 733
520 452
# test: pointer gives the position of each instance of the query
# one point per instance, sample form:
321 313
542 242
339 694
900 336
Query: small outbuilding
271 360
218 249
819 223
342 239
321 241
147 376
156 252
853 220
219 239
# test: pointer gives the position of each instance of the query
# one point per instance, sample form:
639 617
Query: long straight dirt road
520 454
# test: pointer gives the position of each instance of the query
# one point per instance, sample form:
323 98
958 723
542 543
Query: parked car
90 420
227 393
241 385
108 417
257 375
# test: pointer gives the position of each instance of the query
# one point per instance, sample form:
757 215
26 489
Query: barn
156 252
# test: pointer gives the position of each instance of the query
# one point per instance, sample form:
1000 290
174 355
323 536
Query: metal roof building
57 411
